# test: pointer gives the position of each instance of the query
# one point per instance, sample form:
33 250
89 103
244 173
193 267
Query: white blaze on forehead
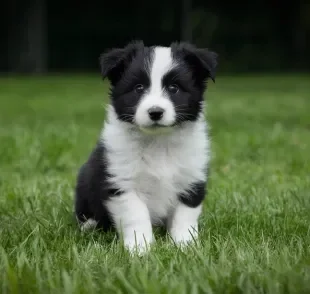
162 63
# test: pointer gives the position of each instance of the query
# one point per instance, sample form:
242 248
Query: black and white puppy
150 164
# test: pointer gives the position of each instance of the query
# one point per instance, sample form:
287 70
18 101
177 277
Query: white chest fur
156 168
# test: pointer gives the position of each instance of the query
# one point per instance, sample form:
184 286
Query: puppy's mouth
157 129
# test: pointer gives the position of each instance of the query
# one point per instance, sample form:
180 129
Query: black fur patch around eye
123 95
187 101
179 76
132 78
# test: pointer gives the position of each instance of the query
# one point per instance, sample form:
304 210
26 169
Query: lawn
255 229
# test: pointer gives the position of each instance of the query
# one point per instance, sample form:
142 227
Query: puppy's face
158 88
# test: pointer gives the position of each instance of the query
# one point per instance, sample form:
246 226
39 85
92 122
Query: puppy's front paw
183 224
138 245
184 236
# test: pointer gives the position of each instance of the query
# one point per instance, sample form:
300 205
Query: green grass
255 229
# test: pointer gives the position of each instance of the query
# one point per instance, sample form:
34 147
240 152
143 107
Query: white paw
184 237
88 225
183 225
137 245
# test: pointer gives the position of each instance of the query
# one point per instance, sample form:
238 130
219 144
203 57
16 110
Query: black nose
156 113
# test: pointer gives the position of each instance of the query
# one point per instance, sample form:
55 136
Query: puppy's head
158 88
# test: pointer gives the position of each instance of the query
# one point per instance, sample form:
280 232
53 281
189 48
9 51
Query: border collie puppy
150 164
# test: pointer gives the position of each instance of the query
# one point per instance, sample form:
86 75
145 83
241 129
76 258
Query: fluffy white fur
155 170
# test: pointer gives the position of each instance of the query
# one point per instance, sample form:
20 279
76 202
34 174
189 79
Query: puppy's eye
139 88
173 89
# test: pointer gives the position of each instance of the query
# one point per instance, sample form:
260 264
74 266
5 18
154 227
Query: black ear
114 62
201 60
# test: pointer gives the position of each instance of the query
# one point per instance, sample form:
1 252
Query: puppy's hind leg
82 211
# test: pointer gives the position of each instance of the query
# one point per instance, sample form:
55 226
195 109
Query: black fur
202 62
195 196
92 189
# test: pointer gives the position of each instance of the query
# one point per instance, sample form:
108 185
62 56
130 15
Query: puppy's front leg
183 222
132 221
183 225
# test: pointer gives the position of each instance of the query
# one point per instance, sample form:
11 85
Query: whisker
126 117
131 107
181 105
186 114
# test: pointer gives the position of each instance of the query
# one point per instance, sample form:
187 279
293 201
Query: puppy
150 164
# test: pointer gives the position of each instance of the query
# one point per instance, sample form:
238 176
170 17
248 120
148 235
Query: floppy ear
201 60
114 62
